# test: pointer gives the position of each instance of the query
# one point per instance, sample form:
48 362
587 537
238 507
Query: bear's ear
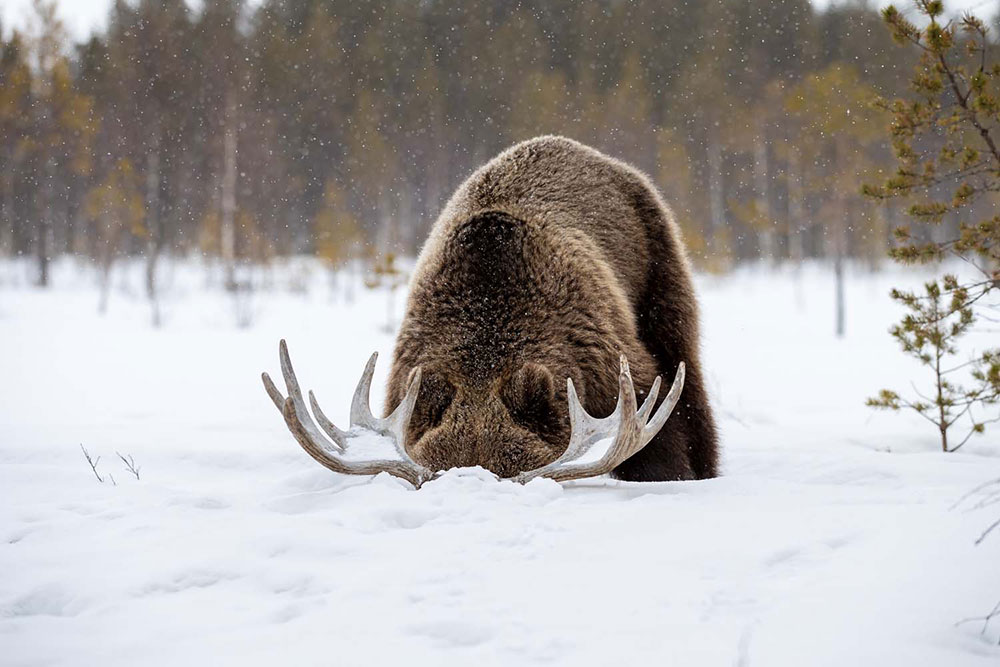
434 397
529 395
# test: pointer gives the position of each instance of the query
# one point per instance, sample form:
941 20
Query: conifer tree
62 130
15 135
946 137
226 107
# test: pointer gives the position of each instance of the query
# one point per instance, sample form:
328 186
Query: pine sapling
928 332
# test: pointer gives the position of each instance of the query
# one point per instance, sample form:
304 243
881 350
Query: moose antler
334 455
627 426
628 429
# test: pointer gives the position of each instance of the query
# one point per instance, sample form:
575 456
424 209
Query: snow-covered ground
831 539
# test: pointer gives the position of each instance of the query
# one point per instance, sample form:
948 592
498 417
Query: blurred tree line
336 127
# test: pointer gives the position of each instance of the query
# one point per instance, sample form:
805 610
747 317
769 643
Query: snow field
832 538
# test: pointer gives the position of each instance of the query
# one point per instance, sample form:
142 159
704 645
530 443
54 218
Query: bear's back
562 185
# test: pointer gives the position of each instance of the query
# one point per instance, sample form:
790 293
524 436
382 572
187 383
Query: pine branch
971 115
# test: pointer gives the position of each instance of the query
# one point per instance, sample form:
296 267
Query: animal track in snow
445 633
187 580
49 600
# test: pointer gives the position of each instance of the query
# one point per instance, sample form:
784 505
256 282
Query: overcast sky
83 16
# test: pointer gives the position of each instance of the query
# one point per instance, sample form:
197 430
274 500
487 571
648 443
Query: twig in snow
991 499
988 531
988 494
974 491
985 619
93 463
129 464
992 496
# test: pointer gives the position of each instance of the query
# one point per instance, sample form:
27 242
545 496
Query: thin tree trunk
768 249
796 221
154 240
838 272
880 236
942 417
79 241
44 232
839 222
839 257
107 255
716 200
796 207
43 245
228 219
7 208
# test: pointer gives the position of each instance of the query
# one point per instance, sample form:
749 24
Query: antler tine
361 412
272 391
586 431
414 475
338 436
647 405
654 425
628 427
581 425
304 430
295 395
395 424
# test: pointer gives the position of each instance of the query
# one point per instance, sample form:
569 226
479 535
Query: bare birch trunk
154 227
106 259
768 245
838 272
841 216
228 219
7 209
796 208
43 249
716 200
796 222
43 243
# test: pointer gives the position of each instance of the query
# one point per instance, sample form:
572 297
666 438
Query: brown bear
549 262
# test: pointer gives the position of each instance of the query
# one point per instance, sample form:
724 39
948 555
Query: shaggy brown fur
547 263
